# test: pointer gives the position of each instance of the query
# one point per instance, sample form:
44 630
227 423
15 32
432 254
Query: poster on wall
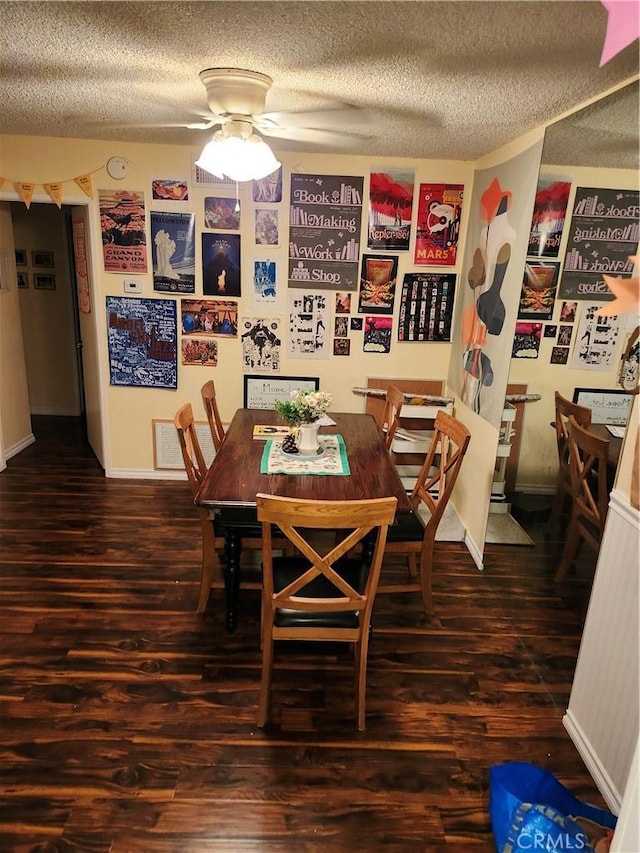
324 231
142 337
199 351
377 334
526 340
221 265
309 317
173 249
261 344
390 209
170 189
123 226
266 227
264 281
438 225
549 215
426 307
221 214
378 284
603 234
596 340
538 294
215 317
268 189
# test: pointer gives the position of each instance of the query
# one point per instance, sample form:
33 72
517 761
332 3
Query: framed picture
23 279
44 282
608 405
261 392
21 257
42 259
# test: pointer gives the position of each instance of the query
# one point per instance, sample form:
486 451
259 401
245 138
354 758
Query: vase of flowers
302 411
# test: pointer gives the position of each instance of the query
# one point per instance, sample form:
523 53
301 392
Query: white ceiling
442 80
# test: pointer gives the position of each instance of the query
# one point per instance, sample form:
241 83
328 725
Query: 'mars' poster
438 226
324 231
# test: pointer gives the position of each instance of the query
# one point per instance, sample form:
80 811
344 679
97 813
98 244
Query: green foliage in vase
304 407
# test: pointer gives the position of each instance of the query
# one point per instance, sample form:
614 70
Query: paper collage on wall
549 215
596 340
221 265
266 227
221 214
426 307
438 226
123 226
261 344
308 327
173 250
390 209
603 234
377 284
324 231
209 317
142 337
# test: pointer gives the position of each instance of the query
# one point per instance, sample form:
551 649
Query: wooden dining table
234 479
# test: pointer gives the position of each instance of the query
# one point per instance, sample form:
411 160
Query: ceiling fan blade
312 135
327 119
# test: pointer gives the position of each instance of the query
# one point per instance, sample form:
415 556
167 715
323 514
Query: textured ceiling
450 80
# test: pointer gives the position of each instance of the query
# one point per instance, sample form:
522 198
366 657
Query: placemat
332 462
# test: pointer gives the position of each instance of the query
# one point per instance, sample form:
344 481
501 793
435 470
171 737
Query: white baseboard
19 446
138 474
595 767
473 549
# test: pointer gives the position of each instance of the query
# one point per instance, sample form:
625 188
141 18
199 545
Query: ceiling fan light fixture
240 159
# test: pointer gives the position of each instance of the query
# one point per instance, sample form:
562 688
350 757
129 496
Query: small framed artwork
341 346
21 257
44 282
23 279
559 355
550 331
42 259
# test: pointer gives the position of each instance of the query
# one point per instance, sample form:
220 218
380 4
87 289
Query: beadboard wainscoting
602 717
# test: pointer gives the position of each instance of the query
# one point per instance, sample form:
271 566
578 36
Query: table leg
232 549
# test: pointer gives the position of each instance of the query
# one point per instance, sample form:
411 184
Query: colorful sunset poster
390 209
549 215
438 225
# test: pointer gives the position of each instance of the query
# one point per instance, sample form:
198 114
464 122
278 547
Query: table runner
332 462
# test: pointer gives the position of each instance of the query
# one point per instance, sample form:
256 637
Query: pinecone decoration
289 444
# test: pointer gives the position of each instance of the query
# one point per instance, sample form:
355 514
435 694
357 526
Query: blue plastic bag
531 811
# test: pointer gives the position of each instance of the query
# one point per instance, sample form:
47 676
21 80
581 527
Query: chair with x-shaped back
564 409
324 593
588 454
393 403
212 539
413 534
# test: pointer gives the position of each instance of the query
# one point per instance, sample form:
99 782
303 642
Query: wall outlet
133 287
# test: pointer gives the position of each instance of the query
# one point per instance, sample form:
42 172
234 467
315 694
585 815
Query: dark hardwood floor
127 722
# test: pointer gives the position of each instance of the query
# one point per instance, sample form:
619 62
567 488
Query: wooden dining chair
212 544
208 393
413 534
394 400
321 594
564 409
588 455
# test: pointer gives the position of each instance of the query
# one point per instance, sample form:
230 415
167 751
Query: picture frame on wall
261 392
23 279
21 257
42 259
44 282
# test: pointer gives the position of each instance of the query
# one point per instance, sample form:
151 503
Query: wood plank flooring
127 722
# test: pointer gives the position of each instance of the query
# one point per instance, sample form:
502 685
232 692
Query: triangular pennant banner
55 191
26 191
85 184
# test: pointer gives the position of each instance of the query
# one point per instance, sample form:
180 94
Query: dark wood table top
234 478
615 444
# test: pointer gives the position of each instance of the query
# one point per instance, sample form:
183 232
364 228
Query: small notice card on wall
167 454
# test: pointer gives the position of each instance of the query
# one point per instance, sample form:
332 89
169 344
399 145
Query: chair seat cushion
287 569
406 527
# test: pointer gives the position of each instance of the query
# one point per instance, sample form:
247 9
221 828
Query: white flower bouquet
304 407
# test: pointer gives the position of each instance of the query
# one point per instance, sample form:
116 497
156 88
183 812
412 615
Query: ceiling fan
236 99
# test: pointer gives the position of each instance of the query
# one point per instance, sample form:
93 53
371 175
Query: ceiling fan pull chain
237 207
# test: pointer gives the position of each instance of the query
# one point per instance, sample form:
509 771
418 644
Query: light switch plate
133 286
